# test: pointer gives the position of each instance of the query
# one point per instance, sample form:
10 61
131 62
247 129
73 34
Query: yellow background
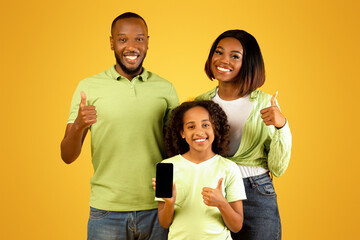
311 53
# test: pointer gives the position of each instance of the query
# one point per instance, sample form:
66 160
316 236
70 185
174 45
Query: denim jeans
139 225
261 213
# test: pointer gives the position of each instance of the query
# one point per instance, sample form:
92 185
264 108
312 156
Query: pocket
97 214
266 189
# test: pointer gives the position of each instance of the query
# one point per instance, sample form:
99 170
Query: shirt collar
116 76
253 95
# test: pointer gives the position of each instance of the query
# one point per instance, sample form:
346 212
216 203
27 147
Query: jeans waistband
258 180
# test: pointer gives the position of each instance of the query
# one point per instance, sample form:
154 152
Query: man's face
129 41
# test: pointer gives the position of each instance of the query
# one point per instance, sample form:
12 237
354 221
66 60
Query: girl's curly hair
175 144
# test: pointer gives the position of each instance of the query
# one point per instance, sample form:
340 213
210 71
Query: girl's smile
198 130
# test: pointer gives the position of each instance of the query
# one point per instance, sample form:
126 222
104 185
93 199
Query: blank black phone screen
164 180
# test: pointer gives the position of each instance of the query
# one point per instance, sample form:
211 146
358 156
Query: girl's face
227 59
198 130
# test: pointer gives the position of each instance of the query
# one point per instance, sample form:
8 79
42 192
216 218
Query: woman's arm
279 143
279 150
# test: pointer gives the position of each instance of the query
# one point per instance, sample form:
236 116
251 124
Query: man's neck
127 76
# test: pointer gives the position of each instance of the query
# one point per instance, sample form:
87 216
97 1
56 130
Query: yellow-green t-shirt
192 218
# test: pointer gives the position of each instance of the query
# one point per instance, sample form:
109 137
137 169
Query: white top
238 111
193 219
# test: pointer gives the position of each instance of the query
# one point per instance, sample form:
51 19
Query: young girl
260 138
208 188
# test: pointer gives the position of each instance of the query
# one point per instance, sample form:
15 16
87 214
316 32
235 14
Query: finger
83 99
268 123
204 194
264 110
219 186
267 117
273 99
89 107
206 189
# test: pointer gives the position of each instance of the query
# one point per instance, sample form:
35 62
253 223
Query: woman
260 138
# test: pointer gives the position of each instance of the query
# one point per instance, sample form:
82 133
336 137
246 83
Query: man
125 108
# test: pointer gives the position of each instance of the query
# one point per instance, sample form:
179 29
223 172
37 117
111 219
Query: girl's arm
166 213
232 213
166 208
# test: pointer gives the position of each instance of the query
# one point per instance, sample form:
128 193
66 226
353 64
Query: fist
87 114
272 115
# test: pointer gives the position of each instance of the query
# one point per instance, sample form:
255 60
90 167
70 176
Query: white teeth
223 69
131 57
200 140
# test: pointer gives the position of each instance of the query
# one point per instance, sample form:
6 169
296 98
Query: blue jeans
139 225
261 213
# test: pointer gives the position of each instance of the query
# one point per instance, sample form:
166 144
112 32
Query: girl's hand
214 196
272 114
167 200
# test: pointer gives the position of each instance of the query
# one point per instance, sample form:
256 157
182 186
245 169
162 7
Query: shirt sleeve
173 102
75 102
234 185
279 146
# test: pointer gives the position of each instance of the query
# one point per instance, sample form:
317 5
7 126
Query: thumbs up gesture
213 196
86 115
272 115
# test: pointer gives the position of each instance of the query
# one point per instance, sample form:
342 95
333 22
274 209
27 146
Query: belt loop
271 175
253 184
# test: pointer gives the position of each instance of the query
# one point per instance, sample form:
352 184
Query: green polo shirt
127 139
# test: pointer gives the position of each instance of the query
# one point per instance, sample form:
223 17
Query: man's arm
72 143
75 132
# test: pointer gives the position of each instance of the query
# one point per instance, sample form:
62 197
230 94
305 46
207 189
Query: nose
200 132
224 59
131 46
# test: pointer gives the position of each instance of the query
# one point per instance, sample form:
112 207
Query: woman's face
227 59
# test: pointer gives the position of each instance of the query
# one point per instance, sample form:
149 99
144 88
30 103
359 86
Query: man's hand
86 115
272 114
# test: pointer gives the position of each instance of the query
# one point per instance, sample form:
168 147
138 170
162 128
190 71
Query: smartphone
164 180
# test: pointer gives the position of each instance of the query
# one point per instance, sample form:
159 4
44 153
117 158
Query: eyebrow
120 34
205 120
233 51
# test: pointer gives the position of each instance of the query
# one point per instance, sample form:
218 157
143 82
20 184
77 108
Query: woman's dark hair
175 144
252 72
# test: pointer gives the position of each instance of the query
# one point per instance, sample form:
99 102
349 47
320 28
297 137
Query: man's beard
125 69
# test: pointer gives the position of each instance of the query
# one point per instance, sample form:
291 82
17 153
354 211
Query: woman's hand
272 114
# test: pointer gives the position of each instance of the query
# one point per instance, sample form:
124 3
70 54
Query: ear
147 45
182 133
111 43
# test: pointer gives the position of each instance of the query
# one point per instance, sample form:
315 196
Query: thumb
83 99
219 186
273 99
